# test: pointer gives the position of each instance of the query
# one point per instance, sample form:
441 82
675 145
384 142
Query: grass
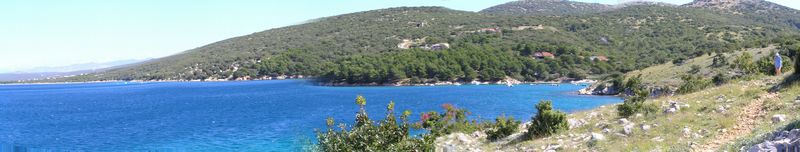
785 106
669 74
666 133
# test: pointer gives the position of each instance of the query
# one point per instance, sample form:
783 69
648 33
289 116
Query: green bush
387 135
502 127
635 103
695 69
452 120
744 63
720 79
719 60
692 83
547 121
766 65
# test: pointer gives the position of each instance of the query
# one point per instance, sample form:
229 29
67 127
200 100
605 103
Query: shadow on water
4 147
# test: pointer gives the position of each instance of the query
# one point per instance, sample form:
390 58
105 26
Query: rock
457 142
591 115
766 146
606 130
627 129
623 121
673 107
657 139
638 115
780 141
597 137
674 104
686 132
552 148
575 123
721 98
479 134
645 127
778 118
720 109
671 110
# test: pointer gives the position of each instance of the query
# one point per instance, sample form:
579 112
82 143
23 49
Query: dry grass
669 74
706 125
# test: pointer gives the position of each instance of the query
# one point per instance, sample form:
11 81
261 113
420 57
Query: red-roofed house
542 55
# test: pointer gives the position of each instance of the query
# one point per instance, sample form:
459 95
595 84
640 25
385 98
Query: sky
42 33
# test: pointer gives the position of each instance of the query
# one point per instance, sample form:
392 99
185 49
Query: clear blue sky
36 33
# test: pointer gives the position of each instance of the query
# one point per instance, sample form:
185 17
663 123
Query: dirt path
745 122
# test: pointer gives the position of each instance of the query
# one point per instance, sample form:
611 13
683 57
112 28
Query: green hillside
632 37
547 7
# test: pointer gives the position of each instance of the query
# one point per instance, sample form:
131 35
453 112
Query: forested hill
547 7
440 44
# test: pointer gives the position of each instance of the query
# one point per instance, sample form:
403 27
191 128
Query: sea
271 115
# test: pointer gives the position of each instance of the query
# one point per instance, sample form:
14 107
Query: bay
276 115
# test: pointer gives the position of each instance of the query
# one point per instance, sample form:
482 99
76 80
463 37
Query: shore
508 82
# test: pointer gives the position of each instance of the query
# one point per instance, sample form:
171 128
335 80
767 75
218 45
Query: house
598 58
496 29
542 55
440 46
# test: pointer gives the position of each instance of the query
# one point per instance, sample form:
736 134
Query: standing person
778 61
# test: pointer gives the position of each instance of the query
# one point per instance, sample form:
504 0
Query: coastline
588 83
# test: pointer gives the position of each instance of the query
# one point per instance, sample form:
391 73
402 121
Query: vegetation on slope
632 38
390 134
546 7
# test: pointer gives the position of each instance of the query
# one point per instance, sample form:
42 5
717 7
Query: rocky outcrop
459 142
780 141
599 89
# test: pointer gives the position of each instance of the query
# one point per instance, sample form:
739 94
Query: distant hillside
759 10
632 37
56 72
81 67
547 7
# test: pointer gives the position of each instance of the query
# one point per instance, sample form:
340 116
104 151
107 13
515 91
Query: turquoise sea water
278 115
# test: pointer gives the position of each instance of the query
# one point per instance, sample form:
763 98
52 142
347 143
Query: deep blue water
278 115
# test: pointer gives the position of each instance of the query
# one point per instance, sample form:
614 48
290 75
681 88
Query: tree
547 121
361 116
744 63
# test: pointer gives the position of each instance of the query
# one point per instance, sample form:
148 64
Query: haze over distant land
59 71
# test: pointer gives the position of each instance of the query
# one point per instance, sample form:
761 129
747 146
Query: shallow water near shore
275 115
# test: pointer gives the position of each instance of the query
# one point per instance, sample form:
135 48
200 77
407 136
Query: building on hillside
542 55
496 29
598 58
440 46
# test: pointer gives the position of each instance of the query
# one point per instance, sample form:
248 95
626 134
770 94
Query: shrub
744 63
387 135
452 120
502 127
635 104
695 69
766 65
692 84
679 60
547 121
719 60
720 79
633 83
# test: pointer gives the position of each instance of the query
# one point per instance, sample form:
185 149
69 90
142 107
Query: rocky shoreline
508 82
589 90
